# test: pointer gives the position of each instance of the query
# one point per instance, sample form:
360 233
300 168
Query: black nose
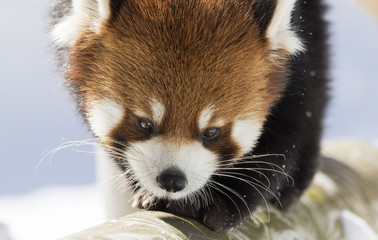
172 180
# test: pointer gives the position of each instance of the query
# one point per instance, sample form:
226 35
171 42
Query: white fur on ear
84 15
280 33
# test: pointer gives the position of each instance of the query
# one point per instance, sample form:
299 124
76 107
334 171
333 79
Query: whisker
245 175
256 169
250 157
80 143
236 194
254 186
251 161
248 182
252 170
62 146
212 184
263 169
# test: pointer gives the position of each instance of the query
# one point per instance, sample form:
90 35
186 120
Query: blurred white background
37 115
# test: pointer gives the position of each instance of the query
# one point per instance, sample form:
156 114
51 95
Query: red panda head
177 89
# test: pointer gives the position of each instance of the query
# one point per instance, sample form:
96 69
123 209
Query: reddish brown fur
188 55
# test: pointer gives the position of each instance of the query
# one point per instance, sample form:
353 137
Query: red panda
209 108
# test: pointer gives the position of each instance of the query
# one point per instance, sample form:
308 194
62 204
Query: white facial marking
140 113
85 14
219 123
148 159
280 32
205 118
245 133
103 116
158 110
104 9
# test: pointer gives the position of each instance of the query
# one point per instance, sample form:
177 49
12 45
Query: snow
50 213
356 228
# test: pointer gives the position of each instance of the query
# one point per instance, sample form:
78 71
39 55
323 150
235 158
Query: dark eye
145 125
210 133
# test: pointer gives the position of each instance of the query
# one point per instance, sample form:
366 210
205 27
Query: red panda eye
210 133
145 125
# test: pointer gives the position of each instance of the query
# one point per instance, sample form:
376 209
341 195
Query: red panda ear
84 15
263 12
274 19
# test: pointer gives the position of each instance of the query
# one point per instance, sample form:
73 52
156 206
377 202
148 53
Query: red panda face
151 142
177 89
